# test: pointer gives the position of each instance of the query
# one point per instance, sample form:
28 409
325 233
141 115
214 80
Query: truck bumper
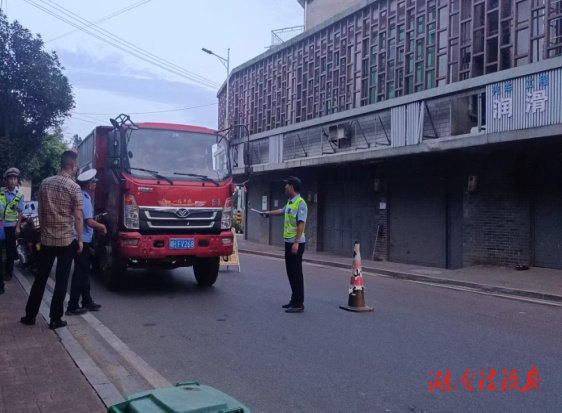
135 246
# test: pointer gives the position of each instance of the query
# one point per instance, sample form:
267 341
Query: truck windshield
180 155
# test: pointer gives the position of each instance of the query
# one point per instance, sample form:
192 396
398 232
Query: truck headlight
226 222
131 212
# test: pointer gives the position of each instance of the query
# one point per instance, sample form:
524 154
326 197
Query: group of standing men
67 225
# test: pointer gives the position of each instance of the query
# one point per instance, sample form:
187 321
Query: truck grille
186 219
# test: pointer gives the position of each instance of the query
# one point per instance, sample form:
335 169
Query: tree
46 162
35 96
76 140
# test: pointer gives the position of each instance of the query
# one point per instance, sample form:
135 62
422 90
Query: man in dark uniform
80 285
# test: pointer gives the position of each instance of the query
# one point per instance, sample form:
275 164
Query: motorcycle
28 242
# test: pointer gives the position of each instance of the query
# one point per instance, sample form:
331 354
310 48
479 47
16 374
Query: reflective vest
11 210
291 210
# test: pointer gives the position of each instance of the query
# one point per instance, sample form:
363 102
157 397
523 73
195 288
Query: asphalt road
236 337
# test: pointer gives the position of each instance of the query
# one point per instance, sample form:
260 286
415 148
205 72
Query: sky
107 80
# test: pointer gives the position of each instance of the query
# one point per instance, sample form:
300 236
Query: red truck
166 191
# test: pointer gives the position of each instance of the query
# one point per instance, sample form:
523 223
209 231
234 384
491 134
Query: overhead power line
89 117
125 46
146 113
109 16
84 120
126 43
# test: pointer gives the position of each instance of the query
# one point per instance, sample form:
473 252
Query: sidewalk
36 372
535 283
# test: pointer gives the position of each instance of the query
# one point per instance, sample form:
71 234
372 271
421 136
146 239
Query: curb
424 278
106 391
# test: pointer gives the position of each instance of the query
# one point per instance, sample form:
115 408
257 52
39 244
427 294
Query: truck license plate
182 244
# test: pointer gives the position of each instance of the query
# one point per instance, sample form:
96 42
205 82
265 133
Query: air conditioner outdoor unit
340 132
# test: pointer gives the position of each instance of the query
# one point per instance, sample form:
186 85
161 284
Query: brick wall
497 223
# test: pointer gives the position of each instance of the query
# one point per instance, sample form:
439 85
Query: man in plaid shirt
60 212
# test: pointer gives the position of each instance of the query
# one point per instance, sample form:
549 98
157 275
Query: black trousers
64 256
11 252
293 264
80 285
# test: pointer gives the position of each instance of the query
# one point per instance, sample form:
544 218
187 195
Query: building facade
426 130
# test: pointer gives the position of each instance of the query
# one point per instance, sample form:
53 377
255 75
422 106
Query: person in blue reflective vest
12 204
295 213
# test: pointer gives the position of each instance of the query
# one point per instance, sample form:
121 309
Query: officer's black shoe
57 324
299 309
8 277
28 320
77 311
91 307
288 305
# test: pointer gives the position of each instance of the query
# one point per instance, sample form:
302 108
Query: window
555 37
466 9
479 41
455 25
400 78
421 24
492 50
522 42
537 25
373 97
419 72
506 8
443 18
409 85
479 15
505 58
493 23
537 50
430 79
523 11
390 90
419 49
430 57
506 32
410 64
442 66
431 34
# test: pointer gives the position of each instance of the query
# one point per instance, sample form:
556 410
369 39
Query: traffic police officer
12 205
80 285
295 213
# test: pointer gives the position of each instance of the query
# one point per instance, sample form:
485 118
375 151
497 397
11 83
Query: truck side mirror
113 149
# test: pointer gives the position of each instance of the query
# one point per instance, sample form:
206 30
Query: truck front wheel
112 268
206 271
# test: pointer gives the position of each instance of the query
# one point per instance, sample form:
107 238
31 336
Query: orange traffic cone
356 302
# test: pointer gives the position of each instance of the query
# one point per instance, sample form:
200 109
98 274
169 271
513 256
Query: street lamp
226 63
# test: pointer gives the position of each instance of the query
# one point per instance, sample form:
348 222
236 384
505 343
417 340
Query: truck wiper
202 177
153 173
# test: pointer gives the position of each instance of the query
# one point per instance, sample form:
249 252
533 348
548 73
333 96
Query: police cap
87 176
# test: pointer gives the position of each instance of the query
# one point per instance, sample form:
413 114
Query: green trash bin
188 397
